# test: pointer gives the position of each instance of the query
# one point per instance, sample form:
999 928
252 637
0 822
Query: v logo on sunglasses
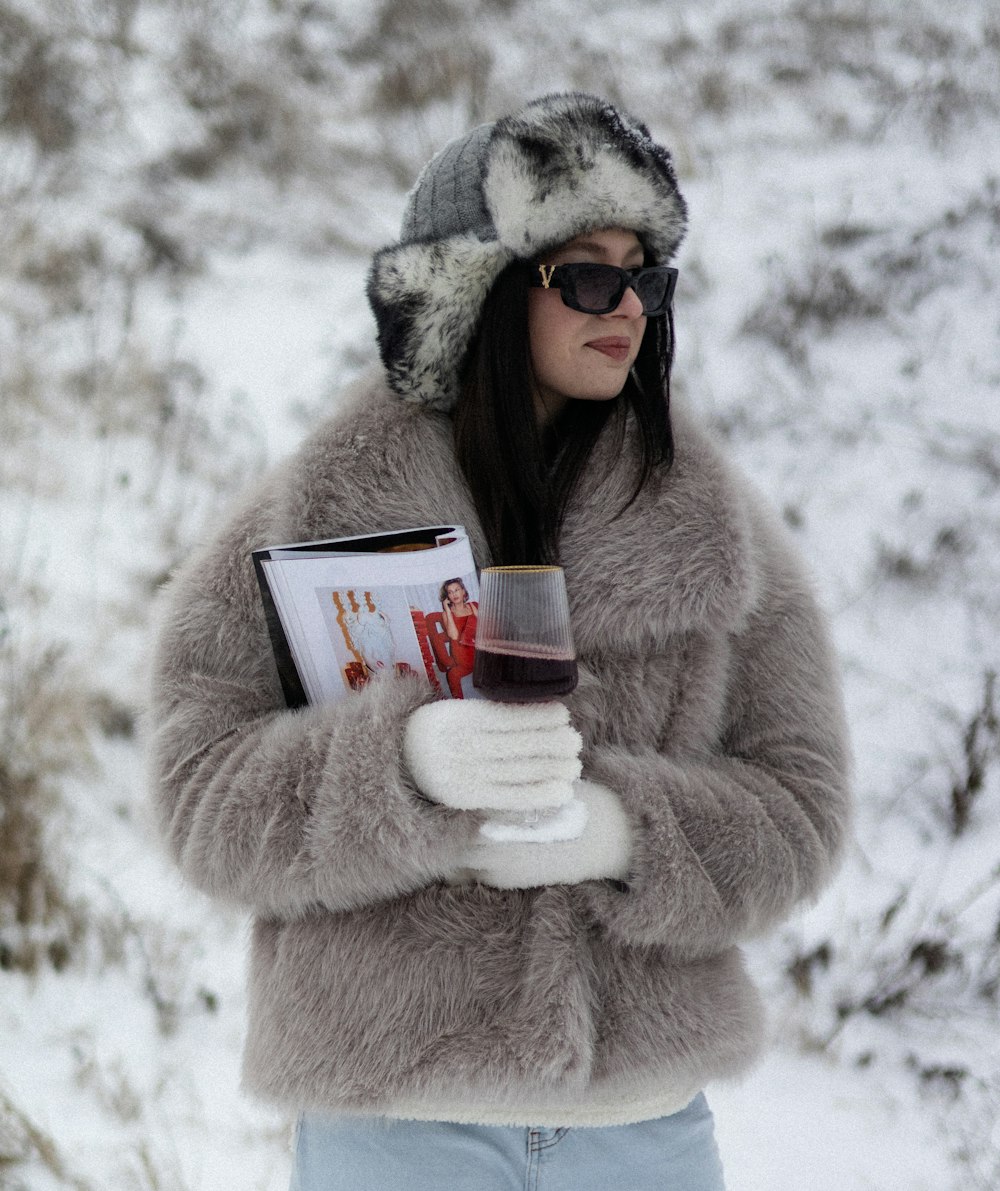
546 276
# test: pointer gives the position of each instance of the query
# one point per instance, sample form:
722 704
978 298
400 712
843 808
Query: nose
629 307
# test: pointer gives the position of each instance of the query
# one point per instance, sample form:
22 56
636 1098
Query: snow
805 1122
271 327
170 328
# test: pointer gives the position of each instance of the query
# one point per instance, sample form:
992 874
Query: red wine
522 677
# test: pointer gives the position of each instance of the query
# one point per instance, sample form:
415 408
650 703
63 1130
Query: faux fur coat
707 700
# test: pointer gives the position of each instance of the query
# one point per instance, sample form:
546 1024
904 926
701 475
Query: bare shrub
110 21
254 110
108 1081
797 309
980 753
428 51
39 83
954 85
45 713
867 66
854 273
23 1144
931 957
926 567
420 75
970 1132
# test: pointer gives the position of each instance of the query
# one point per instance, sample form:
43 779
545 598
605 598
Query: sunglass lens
597 287
652 290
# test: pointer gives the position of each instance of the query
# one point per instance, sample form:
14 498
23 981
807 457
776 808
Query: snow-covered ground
189 196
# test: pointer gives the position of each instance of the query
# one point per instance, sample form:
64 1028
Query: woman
441 1009
460 616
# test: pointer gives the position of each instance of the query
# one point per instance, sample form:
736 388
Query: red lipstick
615 346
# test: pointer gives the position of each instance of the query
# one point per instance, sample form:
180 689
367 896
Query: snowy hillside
189 194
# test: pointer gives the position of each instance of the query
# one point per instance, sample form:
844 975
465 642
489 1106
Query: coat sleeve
729 840
273 809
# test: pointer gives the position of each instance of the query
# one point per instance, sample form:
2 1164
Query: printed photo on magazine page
344 612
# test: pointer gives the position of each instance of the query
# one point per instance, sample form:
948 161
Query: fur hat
561 166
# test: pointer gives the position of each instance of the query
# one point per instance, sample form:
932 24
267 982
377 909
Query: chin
602 395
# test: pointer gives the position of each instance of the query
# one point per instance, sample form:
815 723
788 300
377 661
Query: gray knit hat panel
562 166
447 199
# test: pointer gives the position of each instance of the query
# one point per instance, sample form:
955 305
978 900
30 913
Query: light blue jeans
675 1153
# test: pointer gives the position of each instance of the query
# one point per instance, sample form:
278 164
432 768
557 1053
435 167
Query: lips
616 347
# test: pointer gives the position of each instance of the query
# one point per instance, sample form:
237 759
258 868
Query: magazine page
348 616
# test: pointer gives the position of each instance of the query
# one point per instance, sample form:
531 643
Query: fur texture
707 703
563 165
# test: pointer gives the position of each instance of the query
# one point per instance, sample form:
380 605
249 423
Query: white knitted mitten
474 754
602 850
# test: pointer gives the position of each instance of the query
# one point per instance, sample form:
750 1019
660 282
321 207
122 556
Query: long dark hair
522 476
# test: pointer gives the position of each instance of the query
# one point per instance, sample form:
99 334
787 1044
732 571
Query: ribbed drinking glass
524 645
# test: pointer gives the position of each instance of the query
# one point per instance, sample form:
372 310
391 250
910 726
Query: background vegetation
190 191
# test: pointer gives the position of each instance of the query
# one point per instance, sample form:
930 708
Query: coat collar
678 559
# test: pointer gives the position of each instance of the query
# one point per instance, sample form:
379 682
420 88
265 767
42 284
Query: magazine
345 611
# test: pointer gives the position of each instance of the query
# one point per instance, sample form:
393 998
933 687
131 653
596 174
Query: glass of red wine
524 645
525 654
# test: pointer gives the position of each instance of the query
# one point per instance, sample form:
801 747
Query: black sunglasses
598 289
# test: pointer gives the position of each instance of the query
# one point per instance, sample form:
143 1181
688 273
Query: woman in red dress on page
460 617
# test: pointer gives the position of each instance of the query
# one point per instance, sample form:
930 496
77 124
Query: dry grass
39 83
46 713
275 102
23 1143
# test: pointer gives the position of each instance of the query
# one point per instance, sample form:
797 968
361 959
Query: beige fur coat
708 701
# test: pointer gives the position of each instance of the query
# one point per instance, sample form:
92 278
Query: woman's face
455 593
577 355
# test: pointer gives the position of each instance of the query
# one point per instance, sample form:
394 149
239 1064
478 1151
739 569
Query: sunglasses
598 289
